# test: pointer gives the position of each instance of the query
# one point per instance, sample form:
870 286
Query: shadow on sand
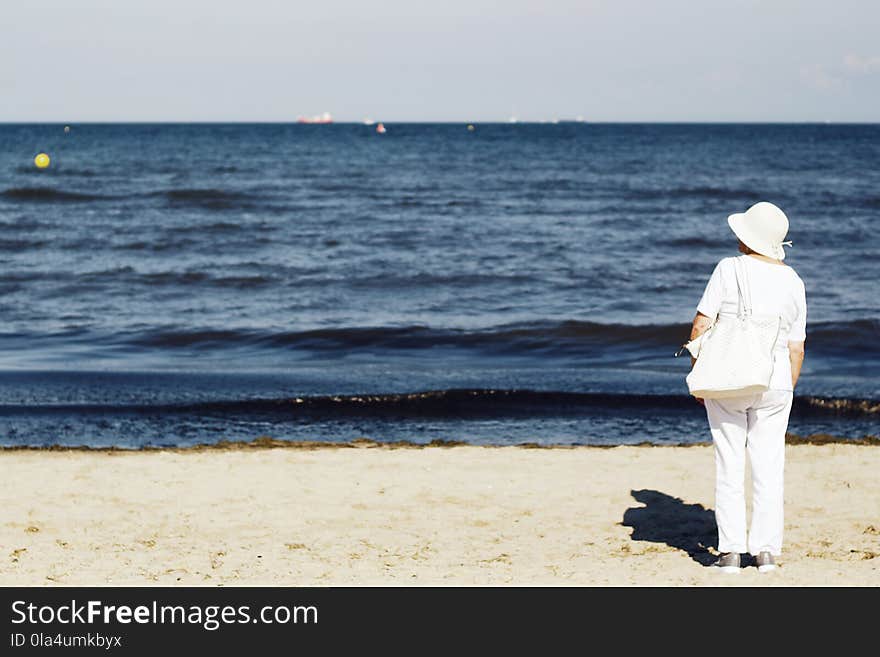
666 519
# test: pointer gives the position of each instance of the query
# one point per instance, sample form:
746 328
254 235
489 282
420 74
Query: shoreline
267 442
379 515
474 415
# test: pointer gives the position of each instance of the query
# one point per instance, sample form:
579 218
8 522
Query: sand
407 516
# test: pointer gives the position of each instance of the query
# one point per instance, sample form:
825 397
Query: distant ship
326 117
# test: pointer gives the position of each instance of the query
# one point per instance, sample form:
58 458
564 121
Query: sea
170 285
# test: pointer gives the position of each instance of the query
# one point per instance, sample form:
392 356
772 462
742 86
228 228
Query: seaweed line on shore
267 442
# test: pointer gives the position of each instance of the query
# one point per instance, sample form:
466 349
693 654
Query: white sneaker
729 563
765 562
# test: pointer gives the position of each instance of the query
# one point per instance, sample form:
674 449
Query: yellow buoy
42 161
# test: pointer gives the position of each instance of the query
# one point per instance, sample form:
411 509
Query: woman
755 423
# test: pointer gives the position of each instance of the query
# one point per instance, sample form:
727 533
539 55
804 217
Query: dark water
176 284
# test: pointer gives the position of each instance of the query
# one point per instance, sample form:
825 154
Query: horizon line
433 122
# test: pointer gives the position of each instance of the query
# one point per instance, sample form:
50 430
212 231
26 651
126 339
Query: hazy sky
270 60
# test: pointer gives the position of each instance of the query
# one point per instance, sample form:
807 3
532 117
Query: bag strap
742 287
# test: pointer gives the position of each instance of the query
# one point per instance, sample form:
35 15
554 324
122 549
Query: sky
455 60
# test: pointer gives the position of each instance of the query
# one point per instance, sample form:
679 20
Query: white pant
757 424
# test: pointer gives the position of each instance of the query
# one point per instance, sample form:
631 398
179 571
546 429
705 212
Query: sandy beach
370 515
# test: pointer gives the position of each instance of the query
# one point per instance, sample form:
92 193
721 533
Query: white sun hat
761 228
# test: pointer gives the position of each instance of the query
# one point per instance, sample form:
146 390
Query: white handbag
735 354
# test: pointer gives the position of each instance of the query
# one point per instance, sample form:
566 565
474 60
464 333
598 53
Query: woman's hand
700 326
796 357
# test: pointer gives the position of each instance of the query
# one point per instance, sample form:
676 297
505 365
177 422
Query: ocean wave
452 404
567 338
57 171
128 275
183 279
695 242
716 192
25 224
206 199
399 282
210 199
516 337
852 337
49 195
698 191
209 228
16 245
158 245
